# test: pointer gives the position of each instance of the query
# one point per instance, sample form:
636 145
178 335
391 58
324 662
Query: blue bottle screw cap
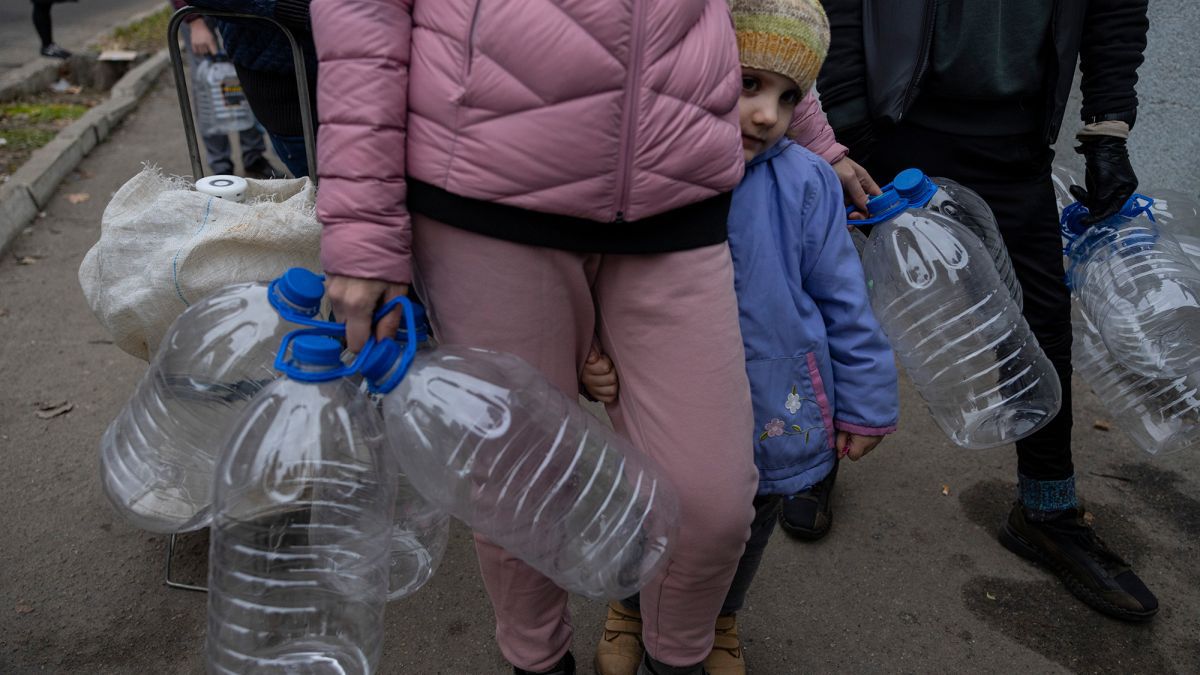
302 288
316 350
383 355
914 186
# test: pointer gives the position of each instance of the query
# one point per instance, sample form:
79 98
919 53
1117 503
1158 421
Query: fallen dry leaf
990 596
945 489
28 259
23 608
84 173
1088 518
78 197
48 411
3 313
1102 425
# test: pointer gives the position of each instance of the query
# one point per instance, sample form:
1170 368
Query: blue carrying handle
338 330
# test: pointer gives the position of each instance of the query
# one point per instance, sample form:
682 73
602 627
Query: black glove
1110 179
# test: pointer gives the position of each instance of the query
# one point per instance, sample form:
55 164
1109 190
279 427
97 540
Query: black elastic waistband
687 227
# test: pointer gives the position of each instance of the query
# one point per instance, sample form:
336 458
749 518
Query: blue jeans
291 150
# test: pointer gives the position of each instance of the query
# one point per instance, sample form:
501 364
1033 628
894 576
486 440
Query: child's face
765 109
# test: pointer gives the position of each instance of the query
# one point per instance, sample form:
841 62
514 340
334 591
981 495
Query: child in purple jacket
822 376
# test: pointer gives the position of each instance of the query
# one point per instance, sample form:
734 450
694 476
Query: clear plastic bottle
221 105
157 457
486 438
1063 177
955 327
301 530
1160 415
420 530
1179 214
1138 287
966 207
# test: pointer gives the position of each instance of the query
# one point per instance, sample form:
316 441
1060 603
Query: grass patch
146 35
27 125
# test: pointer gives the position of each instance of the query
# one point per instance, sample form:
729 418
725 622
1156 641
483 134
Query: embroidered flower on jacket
774 427
793 402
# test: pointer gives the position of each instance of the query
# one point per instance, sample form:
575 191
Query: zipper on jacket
471 38
922 59
632 81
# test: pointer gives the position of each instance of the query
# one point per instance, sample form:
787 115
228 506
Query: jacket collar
770 153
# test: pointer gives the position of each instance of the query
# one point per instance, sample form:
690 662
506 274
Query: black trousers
1012 174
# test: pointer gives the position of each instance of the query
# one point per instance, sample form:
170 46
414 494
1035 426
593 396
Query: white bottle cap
232 188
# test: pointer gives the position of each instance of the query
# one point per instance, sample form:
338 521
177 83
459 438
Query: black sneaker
1093 573
55 52
565 666
262 169
808 515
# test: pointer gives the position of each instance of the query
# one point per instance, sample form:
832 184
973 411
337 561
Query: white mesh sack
164 246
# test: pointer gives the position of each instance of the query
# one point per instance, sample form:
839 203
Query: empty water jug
158 455
420 530
221 105
298 561
1063 177
1138 287
966 207
1160 415
955 327
1178 214
486 438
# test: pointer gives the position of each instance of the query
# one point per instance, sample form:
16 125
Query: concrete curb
29 189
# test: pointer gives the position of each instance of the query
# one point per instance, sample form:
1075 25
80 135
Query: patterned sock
1046 499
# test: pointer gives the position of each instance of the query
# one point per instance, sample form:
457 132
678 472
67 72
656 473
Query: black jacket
879 52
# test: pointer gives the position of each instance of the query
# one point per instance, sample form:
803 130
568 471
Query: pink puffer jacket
600 109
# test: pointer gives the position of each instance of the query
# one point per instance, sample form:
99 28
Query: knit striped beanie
789 37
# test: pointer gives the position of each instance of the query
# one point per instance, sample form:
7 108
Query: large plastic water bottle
1178 214
955 327
1138 287
420 530
221 105
157 457
486 438
1063 177
966 207
298 561
1161 415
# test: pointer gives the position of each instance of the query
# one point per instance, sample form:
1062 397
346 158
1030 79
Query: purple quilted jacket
600 109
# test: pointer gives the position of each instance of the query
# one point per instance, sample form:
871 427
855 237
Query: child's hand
599 377
857 185
855 446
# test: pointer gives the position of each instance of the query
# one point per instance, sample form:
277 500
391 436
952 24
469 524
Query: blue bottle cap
302 288
880 204
379 361
914 186
316 350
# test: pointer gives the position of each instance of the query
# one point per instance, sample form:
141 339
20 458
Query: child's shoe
565 666
808 515
726 657
1068 546
620 650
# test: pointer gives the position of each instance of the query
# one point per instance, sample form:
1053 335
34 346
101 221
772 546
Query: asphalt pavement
911 579
74 24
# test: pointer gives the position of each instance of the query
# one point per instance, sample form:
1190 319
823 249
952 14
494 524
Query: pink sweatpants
669 323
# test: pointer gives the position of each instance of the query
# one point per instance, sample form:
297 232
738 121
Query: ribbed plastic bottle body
957 331
298 560
158 455
1179 214
486 438
967 208
1063 177
1161 415
1138 287
420 533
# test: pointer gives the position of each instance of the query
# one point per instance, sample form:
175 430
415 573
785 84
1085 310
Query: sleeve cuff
863 430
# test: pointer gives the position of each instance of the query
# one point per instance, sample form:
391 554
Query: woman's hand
204 43
355 302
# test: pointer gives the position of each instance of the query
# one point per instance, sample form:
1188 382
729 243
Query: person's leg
292 152
765 509
217 149
1013 176
254 159
535 303
41 22
669 323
